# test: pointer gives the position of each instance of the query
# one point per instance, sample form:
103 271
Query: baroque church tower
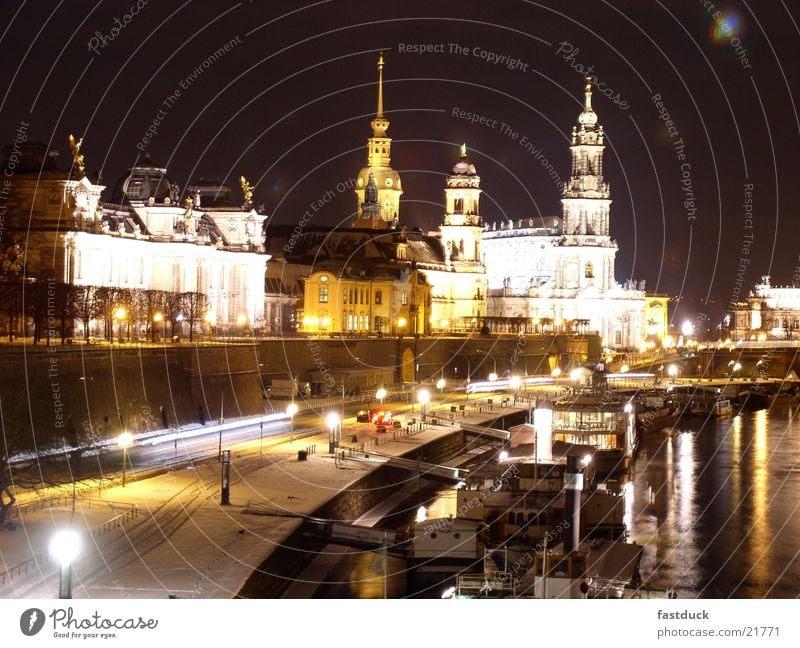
586 258
383 211
463 226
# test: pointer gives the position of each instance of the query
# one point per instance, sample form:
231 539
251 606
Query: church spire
588 118
379 114
380 124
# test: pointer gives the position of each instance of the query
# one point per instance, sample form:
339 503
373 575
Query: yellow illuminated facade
382 305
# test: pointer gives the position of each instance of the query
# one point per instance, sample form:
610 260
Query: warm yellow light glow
380 394
515 382
556 372
672 370
124 440
423 397
332 420
422 514
575 374
440 383
326 321
120 313
241 319
762 337
492 377
624 369
401 322
444 323
291 409
158 317
210 317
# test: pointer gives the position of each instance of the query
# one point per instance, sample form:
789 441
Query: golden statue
77 158
247 190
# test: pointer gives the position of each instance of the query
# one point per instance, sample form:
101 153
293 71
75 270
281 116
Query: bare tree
12 273
87 305
174 306
149 303
194 306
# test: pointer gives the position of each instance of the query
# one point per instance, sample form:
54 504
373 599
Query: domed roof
464 166
385 178
143 181
588 117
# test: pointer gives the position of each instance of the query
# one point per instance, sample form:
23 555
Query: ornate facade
770 313
560 271
143 240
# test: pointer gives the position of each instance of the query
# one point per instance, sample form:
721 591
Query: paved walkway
183 542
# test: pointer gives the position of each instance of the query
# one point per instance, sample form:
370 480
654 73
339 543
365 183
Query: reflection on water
716 506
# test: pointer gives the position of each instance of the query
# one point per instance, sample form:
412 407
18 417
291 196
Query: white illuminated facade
770 313
145 239
560 271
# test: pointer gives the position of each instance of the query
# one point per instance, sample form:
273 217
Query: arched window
588 270
458 206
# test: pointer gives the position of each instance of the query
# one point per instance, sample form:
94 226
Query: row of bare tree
52 309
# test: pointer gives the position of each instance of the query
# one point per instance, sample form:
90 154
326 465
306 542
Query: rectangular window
378 297
404 298
323 294
344 296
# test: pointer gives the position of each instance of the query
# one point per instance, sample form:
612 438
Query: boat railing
564 426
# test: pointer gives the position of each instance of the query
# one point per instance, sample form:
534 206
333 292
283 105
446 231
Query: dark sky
289 107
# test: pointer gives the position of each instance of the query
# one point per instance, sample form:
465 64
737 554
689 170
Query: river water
716 505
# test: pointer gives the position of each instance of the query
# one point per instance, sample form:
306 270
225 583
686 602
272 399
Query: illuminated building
770 313
558 272
145 240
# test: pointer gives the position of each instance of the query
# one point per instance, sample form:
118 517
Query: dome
385 178
144 181
464 166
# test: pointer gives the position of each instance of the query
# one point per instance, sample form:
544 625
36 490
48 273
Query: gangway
355 535
486 432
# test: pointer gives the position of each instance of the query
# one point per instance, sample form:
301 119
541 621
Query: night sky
290 102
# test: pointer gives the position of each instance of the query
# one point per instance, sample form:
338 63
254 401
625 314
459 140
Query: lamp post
119 315
380 395
672 371
123 441
64 548
159 317
333 422
423 398
515 382
291 410
440 385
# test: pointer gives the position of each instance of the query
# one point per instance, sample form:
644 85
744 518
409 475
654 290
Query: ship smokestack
573 485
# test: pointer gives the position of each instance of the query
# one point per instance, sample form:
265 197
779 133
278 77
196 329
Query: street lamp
123 441
515 382
334 422
440 384
119 315
64 548
159 317
291 410
380 395
672 370
556 372
492 377
423 398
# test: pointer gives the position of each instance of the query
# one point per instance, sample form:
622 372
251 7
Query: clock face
388 182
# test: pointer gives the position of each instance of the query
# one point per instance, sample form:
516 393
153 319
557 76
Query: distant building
770 313
144 240
558 273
